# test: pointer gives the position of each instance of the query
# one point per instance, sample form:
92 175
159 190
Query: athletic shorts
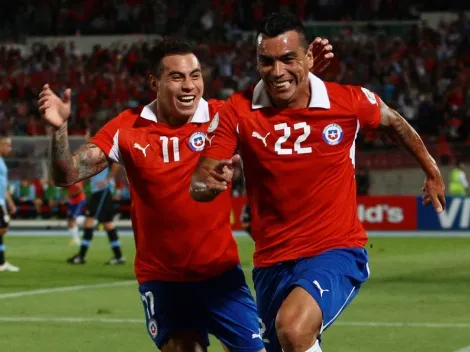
222 306
332 278
101 206
75 210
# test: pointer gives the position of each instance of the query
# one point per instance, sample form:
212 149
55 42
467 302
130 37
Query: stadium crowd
425 75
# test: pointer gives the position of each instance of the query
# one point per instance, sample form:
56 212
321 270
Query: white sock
74 232
315 348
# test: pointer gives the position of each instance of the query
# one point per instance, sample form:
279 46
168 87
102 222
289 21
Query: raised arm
67 168
402 134
322 53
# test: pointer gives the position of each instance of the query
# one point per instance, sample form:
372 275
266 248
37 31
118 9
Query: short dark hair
280 22
167 47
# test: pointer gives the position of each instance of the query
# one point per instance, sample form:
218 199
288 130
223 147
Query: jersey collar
200 116
318 98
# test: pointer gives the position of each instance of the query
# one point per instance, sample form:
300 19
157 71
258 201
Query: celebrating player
181 246
5 201
296 135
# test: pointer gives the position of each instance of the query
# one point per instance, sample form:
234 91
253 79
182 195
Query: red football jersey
177 238
299 167
76 193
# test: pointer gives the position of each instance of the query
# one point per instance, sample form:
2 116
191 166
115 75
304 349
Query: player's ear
309 57
153 83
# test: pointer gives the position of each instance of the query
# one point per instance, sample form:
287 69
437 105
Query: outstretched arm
67 168
402 134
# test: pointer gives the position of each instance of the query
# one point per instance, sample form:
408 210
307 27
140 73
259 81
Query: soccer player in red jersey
296 135
77 201
186 261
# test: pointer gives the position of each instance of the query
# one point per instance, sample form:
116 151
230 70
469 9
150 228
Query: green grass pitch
417 300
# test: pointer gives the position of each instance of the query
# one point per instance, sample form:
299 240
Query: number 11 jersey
177 239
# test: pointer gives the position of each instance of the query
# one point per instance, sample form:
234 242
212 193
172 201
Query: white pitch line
6 319
465 349
70 320
46 291
65 289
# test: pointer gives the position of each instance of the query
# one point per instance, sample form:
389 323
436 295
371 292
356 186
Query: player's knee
89 223
108 226
185 342
3 231
292 332
298 322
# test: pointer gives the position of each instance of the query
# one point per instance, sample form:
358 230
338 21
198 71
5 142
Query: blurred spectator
25 199
52 198
458 182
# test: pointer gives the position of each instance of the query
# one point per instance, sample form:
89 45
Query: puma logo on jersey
143 150
317 284
257 135
209 139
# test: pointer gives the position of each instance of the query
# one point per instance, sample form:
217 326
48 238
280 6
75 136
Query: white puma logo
256 336
143 150
317 284
209 139
257 135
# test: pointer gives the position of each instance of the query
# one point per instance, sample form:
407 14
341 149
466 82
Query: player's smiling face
179 88
283 64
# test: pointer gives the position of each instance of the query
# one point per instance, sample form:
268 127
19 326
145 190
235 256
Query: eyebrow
280 58
196 70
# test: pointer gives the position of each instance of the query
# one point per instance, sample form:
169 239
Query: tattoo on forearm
68 168
402 134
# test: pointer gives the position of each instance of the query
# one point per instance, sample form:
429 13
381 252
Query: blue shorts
332 278
75 210
222 306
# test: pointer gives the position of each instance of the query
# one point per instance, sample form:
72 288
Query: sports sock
114 243
86 242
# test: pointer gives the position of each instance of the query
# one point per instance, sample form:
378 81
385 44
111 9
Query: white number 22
287 131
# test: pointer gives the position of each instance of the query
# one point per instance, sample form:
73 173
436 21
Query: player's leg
72 213
174 323
271 285
4 222
114 243
233 314
298 322
106 217
88 228
322 288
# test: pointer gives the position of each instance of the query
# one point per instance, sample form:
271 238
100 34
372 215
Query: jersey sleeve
107 139
366 107
222 134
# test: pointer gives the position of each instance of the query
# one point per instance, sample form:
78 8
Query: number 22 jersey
299 167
